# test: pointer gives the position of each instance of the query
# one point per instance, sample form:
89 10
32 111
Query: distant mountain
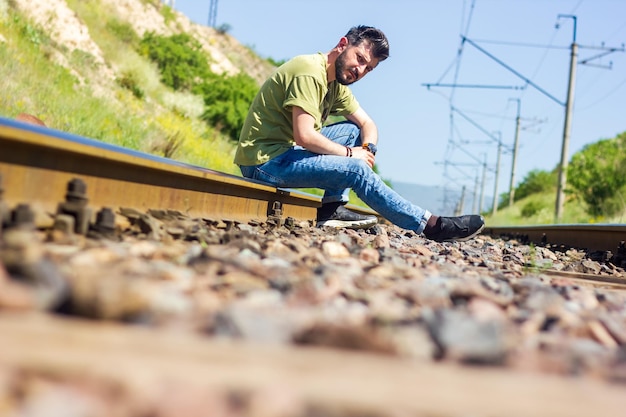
435 199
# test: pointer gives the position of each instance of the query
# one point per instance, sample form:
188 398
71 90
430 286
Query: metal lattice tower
213 13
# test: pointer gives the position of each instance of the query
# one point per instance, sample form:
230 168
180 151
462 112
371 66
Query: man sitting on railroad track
283 141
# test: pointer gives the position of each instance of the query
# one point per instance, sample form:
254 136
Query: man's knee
344 129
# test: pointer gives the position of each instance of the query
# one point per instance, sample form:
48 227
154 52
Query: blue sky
416 124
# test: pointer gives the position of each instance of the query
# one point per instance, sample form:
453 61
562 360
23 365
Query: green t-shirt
268 130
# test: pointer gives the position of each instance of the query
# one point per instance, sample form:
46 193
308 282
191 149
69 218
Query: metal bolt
76 190
22 215
277 209
105 220
76 205
275 216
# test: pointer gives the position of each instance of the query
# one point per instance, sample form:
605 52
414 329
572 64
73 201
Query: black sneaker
336 215
450 229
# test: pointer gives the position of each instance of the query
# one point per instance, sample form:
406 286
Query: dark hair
378 40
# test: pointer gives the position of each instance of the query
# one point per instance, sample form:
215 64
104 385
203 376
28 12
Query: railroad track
592 237
44 168
44 172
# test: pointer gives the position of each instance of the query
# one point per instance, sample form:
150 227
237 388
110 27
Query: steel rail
592 237
37 164
607 283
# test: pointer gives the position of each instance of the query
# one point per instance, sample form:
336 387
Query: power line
508 67
543 56
460 50
610 93
616 31
576 7
522 44
495 87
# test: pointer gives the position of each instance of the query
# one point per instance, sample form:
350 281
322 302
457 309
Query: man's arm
369 131
305 135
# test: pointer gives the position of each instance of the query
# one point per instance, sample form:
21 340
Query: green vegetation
141 113
597 176
275 62
183 66
596 189
123 31
223 28
180 59
227 101
537 209
61 98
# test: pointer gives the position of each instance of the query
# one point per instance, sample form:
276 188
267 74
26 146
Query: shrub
123 31
223 29
168 14
227 101
179 58
128 80
531 208
536 181
276 63
33 34
597 173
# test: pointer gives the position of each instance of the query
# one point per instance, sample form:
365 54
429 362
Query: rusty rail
37 166
592 237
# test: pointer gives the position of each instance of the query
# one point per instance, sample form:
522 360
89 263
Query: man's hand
364 154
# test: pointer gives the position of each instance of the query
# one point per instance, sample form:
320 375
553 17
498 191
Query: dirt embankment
69 32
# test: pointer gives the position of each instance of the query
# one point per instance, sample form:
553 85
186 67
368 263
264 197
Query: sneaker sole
343 224
463 239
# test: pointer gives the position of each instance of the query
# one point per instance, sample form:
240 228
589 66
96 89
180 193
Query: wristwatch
370 147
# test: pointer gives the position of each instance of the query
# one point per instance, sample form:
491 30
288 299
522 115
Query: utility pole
459 206
560 197
451 204
475 201
494 208
514 161
482 186
213 14
567 126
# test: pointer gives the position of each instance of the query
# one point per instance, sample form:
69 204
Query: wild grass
136 112
539 209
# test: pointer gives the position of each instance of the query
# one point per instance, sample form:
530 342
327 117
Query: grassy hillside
538 208
74 64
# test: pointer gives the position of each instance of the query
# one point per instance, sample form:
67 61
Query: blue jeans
336 175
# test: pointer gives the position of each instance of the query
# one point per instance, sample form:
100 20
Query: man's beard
340 69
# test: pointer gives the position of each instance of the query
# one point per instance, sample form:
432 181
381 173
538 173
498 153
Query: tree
597 174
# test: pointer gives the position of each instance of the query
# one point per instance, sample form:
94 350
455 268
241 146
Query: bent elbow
301 140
